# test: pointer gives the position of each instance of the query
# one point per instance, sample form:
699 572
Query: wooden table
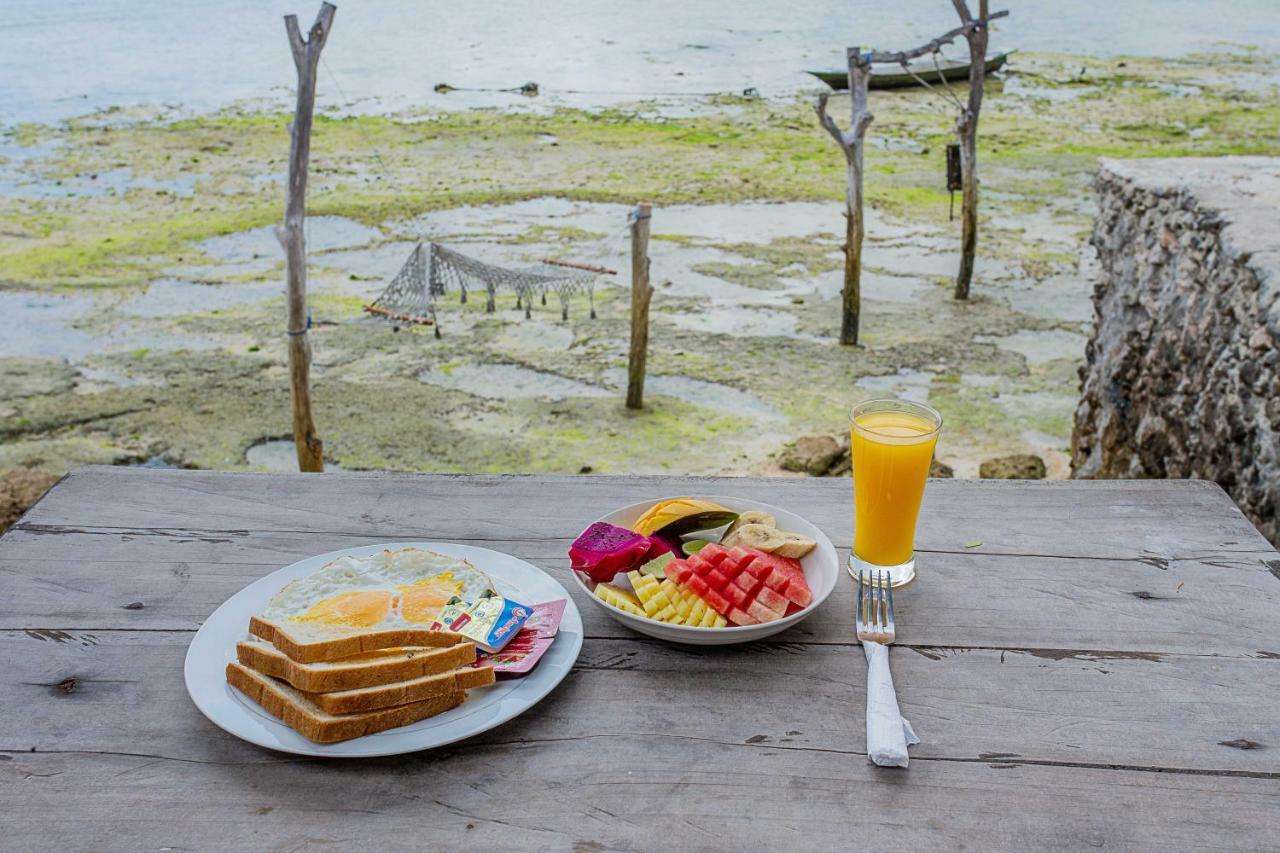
1102 671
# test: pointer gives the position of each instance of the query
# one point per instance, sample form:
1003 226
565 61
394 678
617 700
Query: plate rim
571 629
738 631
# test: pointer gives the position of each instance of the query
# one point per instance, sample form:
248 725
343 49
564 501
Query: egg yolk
421 601
357 609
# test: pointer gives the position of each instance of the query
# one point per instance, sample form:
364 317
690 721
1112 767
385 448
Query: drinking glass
892 443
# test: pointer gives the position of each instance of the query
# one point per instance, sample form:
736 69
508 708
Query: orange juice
892 446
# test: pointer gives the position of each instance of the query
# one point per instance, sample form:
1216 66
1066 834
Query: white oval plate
214 646
821 570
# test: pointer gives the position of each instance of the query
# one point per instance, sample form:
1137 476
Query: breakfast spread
370 643
748 575
373 642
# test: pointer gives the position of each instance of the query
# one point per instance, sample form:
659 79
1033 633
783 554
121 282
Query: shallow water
45 325
723 398
874 285
534 335
390 53
323 234
14 184
1038 347
172 297
278 455
1062 297
906 383
736 321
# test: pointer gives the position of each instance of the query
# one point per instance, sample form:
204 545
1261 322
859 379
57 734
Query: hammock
432 270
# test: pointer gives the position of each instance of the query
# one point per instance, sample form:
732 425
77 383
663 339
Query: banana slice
751 516
794 545
756 536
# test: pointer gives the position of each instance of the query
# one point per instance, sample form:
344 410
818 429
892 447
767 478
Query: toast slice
297 712
381 667
402 692
309 643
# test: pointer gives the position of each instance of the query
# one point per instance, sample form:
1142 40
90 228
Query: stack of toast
332 686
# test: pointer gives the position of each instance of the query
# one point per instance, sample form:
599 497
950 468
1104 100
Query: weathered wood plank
115 691
1023 749
1111 519
964 599
621 792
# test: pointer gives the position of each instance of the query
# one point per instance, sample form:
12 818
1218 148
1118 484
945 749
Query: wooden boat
923 68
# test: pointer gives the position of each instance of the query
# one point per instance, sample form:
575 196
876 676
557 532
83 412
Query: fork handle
888 734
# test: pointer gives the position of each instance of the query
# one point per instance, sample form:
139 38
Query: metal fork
888 734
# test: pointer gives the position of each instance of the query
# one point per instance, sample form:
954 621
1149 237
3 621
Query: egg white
383 570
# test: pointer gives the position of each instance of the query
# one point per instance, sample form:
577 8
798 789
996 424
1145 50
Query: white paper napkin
888 734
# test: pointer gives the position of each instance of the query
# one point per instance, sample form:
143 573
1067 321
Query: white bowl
821 569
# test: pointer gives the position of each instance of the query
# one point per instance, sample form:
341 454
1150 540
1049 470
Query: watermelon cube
718 602
729 568
738 617
696 584
747 582
773 577
713 553
761 613
736 595
699 563
679 571
773 600
715 580
743 556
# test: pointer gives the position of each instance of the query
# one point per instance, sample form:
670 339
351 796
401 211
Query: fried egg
390 589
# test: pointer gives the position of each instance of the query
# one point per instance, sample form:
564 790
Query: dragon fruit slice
603 550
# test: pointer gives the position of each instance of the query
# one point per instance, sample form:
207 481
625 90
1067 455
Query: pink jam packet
527 647
545 618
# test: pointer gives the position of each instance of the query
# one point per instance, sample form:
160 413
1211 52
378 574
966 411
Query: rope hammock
433 270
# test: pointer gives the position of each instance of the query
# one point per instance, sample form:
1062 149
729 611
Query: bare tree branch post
641 293
851 143
976 33
292 235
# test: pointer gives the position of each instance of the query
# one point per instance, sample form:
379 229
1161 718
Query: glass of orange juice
892 444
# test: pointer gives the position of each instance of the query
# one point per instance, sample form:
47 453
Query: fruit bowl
821 569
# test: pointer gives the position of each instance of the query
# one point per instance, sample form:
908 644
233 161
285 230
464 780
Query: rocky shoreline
1182 377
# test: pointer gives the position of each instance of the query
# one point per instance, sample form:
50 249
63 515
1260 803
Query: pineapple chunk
657 605
619 598
678 599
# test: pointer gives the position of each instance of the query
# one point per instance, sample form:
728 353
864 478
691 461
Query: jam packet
490 621
528 647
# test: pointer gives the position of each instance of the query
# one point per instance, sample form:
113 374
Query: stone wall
1182 373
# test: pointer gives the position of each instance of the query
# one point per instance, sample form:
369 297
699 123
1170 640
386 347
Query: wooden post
852 144
292 235
967 133
641 292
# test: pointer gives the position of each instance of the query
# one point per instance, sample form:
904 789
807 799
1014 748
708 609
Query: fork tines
875 607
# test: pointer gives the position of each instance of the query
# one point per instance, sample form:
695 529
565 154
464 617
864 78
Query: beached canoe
893 77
